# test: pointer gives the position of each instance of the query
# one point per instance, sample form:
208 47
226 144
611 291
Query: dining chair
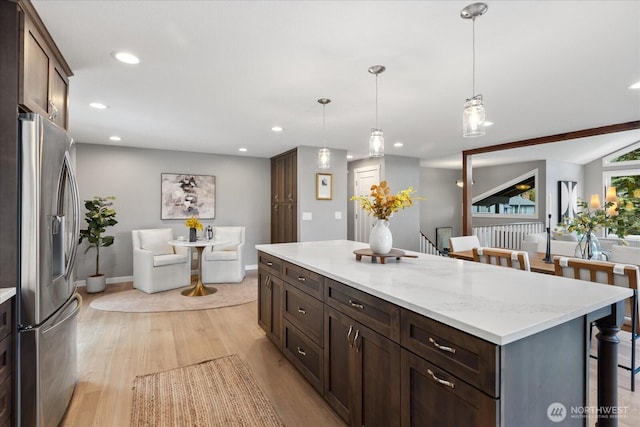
463 243
502 257
610 273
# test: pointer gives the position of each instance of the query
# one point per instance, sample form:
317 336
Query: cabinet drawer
437 398
379 315
305 355
6 402
6 358
303 279
6 321
467 357
270 263
305 312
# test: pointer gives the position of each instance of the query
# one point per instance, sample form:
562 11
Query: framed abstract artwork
324 186
186 195
567 200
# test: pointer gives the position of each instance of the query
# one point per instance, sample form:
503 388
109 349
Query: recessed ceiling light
242 149
277 128
397 144
635 86
98 106
126 57
115 138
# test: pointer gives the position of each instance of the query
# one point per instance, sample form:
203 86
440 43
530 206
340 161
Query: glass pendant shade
473 117
376 143
324 158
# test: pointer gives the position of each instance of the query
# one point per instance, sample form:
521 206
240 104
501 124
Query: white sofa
625 254
223 263
157 265
538 243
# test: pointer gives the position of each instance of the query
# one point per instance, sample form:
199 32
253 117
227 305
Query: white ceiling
215 76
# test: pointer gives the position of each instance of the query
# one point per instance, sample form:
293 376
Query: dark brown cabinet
362 372
270 291
6 363
44 76
284 194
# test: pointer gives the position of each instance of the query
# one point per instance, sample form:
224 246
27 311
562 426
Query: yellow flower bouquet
381 203
193 222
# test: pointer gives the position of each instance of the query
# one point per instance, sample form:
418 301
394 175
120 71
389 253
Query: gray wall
323 225
443 204
132 175
399 172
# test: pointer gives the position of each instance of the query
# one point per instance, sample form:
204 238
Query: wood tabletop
536 261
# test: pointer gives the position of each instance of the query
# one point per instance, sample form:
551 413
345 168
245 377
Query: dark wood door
284 208
376 379
270 314
338 333
430 393
362 371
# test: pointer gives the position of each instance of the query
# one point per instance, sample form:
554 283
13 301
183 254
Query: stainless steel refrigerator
47 301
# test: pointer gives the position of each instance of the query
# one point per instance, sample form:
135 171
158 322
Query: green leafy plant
100 215
620 217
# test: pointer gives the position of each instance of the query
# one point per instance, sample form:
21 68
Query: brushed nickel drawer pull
355 340
269 263
442 347
301 351
302 279
302 310
349 336
443 382
356 305
267 282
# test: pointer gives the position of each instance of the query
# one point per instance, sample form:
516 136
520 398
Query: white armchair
223 263
157 265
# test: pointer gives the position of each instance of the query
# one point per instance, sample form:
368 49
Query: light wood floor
115 347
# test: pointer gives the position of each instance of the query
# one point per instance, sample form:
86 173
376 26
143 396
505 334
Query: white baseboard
251 267
109 281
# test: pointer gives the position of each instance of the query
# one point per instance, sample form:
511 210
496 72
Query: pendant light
324 154
473 116
376 140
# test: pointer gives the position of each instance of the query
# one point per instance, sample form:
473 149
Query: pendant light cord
324 132
376 101
473 80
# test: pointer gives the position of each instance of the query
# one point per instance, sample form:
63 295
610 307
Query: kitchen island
438 341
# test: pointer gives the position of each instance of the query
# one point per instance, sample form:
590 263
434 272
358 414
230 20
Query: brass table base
199 290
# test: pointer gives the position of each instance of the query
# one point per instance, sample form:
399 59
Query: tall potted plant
100 215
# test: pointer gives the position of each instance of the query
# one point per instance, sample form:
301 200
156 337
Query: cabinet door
376 385
432 396
270 290
59 95
35 83
338 332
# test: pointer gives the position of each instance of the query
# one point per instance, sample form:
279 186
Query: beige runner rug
219 392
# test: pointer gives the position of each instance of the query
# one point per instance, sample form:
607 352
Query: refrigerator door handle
76 215
75 298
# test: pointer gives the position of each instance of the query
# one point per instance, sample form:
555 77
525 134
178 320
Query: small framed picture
324 186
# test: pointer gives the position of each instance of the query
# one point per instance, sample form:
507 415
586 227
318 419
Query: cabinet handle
275 198
355 340
442 347
302 279
356 305
269 263
301 351
349 336
267 282
302 310
54 111
443 382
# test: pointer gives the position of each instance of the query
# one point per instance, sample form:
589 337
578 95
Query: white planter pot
96 283
380 239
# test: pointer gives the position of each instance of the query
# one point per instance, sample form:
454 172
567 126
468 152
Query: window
628 156
513 199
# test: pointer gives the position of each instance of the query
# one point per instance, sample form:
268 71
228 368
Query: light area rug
219 392
135 301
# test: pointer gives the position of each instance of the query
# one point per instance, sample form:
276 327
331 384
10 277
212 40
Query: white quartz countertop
498 304
6 294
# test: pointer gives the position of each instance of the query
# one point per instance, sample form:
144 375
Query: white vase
380 239
95 283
